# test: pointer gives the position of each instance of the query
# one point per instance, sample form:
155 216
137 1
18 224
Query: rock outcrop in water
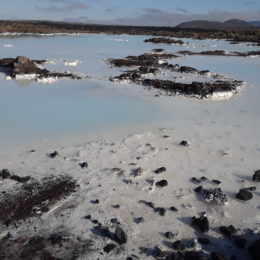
155 62
23 67
164 40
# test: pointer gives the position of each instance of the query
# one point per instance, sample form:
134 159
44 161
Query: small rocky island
24 68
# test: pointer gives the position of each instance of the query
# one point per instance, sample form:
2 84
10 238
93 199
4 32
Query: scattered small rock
244 194
203 178
227 230
161 211
198 189
95 201
83 165
173 209
20 179
161 183
137 172
216 182
120 236
184 143
215 195
158 253
109 247
87 217
139 220
53 155
160 170
117 206
202 223
5 173
256 176
169 235
195 180
115 221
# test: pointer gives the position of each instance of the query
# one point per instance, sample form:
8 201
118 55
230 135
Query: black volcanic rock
164 40
227 230
244 194
161 183
160 170
256 176
120 235
202 223
5 173
178 245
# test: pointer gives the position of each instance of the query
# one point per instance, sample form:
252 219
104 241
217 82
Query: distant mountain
203 24
255 23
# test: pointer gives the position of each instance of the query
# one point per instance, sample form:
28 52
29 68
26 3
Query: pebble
202 223
244 194
109 247
160 170
139 220
169 235
83 165
178 245
120 236
161 183
184 143
54 154
227 230
256 176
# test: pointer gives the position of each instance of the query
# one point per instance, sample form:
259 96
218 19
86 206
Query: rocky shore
154 63
49 27
144 201
22 67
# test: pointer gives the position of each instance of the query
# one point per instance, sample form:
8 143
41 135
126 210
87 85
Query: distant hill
203 24
255 23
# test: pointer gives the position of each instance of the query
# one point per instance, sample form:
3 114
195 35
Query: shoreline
127 177
47 27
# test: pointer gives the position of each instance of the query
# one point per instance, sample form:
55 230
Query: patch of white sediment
8 45
72 63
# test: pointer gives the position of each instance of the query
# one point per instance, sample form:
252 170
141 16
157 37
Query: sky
130 12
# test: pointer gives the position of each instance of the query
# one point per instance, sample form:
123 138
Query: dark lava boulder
256 176
227 230
244 194
120 236
178 245
254 250
161 183
202 223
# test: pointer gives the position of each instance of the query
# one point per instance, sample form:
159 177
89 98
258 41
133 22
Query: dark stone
120 236
117 206
244 194
5 173
184 143
115 221
195 180
198 189
161 183
240 242
95 201
216 182
20 179
218 256
202 223
83 165
173 209
203 240
254 249
160 170
256 176
139 220
159 40
178 245
227 230
53 155
109 247
203 178
160 211
169 235
137 172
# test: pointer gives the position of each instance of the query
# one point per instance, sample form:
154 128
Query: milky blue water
30 111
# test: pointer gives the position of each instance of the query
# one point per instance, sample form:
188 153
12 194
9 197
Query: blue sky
137 12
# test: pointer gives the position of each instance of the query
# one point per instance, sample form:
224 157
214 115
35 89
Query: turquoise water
30 111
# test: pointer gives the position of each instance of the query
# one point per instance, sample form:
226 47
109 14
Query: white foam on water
8 45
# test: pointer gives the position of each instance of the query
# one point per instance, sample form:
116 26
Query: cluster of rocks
221 53
151 63
33 198
164 40
7 174
25 66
